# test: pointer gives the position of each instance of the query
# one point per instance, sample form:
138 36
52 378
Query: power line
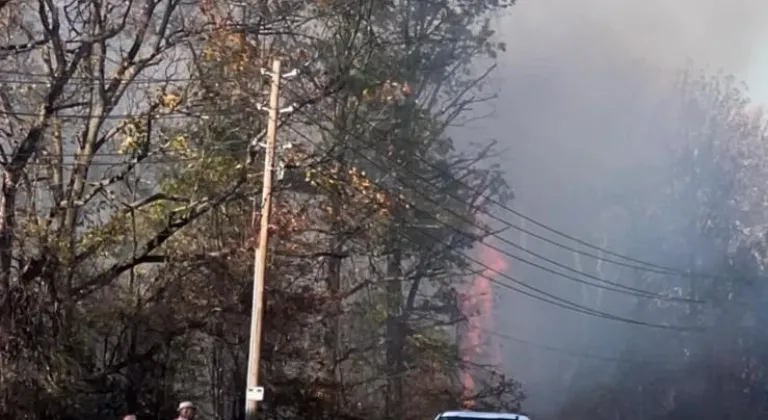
639 264
220 145
616 287
612 286
633 262
646 266
92 81
632 290
548 297
334 85
155 157
575 354
153 115
95 81
519 286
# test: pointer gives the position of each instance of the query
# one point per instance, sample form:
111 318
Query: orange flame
477 307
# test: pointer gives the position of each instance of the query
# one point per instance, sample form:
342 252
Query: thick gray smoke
581 86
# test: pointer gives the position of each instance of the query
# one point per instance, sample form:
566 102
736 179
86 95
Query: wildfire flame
477 307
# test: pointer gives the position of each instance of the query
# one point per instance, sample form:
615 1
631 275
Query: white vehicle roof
482 415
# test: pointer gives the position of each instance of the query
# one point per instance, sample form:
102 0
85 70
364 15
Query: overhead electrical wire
543 296
639 264
612 286
579 355
156 156
629 262
82 81
547 297
332 86
155 116
643 265
92 80
617 287
522 287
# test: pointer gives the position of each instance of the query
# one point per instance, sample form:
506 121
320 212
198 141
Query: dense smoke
586 119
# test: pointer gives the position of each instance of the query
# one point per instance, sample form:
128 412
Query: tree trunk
395 336
333 285
8 197
7 222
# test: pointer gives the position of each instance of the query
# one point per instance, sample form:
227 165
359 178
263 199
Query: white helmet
186 404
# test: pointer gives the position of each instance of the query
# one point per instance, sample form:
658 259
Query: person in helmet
187 411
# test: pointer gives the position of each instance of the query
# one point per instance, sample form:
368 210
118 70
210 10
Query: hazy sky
756 74
732 35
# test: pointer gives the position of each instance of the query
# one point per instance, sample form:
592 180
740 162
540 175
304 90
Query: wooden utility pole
253 392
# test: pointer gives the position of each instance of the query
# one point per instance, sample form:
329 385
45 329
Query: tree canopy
131 161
